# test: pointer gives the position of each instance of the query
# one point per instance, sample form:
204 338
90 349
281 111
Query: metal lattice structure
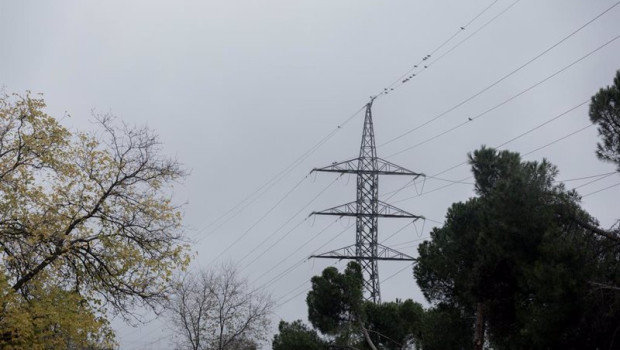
368 209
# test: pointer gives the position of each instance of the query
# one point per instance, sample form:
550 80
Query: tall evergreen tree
337 309
511 261
605 112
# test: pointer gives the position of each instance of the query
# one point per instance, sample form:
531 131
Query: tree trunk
367 337
480 327
609 234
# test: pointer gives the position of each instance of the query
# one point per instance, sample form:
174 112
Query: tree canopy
510 260
519 266
216 309
337 309
335 299
445 327
605 112
52 318
297 336
84 215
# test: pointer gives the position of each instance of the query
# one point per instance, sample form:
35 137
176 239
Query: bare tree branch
214 310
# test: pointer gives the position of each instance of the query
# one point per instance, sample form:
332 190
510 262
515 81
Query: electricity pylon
367 208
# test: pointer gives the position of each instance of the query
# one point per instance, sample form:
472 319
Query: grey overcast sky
239 90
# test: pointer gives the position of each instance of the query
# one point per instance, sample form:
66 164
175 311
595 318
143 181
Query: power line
281 275
446 42
402 244
397 272
601 190
320 143
397 232
545 123
435 221
531 87
283 225
259 220
367 209
423 238
587 177
280 304
295 163
546 145
452 181
530 152
595 180
502 78
256 194
408 184
271 246
391 86
503 144
417 240
293 291
560 139
300 159
407 76
425 67
474 33
313 237
276 179
319 248
614 5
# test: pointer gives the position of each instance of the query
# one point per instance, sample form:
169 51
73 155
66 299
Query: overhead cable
503 77
531 87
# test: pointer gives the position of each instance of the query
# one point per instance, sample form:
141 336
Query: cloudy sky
251 95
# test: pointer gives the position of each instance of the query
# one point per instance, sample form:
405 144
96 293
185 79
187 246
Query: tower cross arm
348 209
346 167
383 167
388 168
367 208
349 253
390 211
387 253
383 210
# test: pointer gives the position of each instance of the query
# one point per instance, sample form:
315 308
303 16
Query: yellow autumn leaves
85 225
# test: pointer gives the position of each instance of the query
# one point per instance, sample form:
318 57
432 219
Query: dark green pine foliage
445 327
297 336
393 325
511 251
337 309
605 112
335 300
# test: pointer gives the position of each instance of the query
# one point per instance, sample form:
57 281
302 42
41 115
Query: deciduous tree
51 318
216 309
87 214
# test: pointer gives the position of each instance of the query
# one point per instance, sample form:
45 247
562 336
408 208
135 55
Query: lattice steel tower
367 208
